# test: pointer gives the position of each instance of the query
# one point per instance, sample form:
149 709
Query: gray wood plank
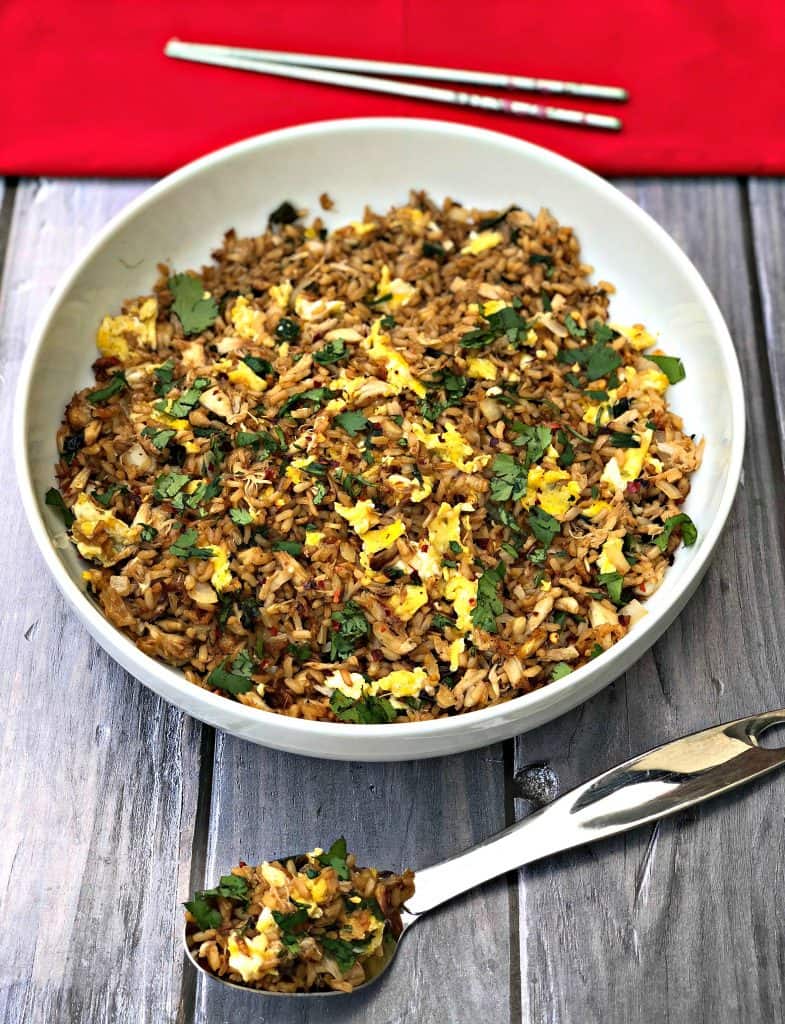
99 778
678 922
767 212
454 966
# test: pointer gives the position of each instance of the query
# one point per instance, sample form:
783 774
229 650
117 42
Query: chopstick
227 57
425 72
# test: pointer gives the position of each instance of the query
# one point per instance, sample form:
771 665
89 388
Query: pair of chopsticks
351 73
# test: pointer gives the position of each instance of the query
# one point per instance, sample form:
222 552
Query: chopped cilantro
291 926
534 439
572 326
489 603
168 485
319 492
204 492
434 251
613 583
286 213
543 525
536 257
596 651
336 858
441 621
350 627
231 887
181 406
506 323
164 378
241 516
689 532
260 367
269 443
149 533
207 916
353 422
368 710
486 223
545 299
560 670
538 556
344 953
332 352
71 445
291 547
671 366
567 456
160 438
235 679
601 332
510 550
54 499
195 312
621 439
117 384
388 322
313 395
509 479
300 652
352 483
184 547
105 499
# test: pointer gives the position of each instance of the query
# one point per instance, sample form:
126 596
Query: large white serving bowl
376 161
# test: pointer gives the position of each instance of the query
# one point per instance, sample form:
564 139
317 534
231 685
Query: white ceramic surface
376 161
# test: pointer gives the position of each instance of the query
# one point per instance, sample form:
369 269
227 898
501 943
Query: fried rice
398 471
307 923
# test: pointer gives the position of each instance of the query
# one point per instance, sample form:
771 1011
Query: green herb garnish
353 422
261 367
350 628
671 366
560 670
241 516
368 710
543 525
287 329
168 485
534 439
332 352
314 395
689 532
489 603
117 384
184 547
235 679
160 438
195 312
291 547
508 480
336 858
613 583
54 499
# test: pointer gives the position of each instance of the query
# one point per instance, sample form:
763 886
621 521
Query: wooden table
114 805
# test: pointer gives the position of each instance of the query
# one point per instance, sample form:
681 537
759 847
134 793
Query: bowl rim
517 708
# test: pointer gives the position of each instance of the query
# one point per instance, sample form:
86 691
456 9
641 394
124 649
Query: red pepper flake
273 631
633 487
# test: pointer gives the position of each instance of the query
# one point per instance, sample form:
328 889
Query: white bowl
376 161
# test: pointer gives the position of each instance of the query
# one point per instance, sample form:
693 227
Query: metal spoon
654 785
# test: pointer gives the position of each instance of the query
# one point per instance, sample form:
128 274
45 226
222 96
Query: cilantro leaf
543 525
235 679
117 384
164 378
183 405
314 395
344 953
149 533
241 516
184 546
194 312
509 479
572 326
330 353
507 323
160 438
368 710
353 422
689 532
613 583
336 858
261 367
300 652
291 547
601 332
534 439
671 366
560 670
350 627
287 329
441 621
231 887
168 485
105 499
291 926
621 439
269 443
489 603
207 916
54 499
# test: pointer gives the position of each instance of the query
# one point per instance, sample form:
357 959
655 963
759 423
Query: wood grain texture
767 211
680 922
98 777
393 815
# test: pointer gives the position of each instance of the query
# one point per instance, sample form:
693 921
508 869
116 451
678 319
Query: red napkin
88 90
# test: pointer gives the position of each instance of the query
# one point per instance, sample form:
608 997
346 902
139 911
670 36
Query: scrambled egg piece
281 293
443 529
399 373
361 516
165 420
644 380
317 309
247 321
115 539
463 595
400 292
352 689
552 488
113 332
599 415
419 491
451 447
361 227
294 471
637 335
595 509
401 683
493 306
611 557
313 538
479 368
260 954
406 605
221 576
244 376
481 242
457 647
627 464
377 540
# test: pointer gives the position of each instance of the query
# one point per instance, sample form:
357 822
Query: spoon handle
651 786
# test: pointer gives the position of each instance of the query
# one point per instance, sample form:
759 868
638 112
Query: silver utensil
653 785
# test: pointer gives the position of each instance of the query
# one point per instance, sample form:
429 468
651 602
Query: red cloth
88 91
